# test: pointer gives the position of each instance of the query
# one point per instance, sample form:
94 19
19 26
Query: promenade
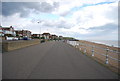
52 60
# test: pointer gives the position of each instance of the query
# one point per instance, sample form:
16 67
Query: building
36 35
60 37
19 33
23 33
1 32
46 35
54 37
26 33
8 31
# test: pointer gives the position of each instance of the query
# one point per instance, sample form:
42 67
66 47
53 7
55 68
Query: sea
113 43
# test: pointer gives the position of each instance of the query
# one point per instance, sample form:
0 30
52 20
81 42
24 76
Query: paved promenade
52 60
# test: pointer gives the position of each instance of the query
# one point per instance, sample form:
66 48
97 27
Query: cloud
46 7
94 16
24 8
67 5
109 31
103 30
0 13
67 18
15 20
61 22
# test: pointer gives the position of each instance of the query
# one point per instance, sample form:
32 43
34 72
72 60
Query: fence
106 55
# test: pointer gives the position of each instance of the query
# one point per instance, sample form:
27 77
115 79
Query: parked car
42 41
11 38
25 38
15 38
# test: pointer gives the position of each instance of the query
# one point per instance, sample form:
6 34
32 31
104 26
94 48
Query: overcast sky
81 19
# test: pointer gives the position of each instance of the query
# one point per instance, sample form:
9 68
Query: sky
81 19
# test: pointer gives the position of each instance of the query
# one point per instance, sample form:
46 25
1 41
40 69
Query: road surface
52 60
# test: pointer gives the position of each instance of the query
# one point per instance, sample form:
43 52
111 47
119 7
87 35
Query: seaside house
23 33
1 32
19 34
60 37
8 32
26 33
54 37
36 36
46 36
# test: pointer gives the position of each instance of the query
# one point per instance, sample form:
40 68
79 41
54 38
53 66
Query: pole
39 32
92 50
106 62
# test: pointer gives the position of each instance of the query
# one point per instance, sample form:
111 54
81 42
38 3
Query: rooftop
46 33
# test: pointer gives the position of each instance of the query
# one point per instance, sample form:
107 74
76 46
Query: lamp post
39 31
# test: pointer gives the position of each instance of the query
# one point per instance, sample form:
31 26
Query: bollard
92 50
73 43
77 45
85 50
106 62
80 48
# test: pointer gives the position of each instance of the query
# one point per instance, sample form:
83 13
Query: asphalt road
52 60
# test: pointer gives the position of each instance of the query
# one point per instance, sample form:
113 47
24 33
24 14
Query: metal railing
84 46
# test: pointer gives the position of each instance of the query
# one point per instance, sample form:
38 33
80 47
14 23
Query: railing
108 56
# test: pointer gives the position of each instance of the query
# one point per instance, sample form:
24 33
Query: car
42 41
25 38
15 38
9 38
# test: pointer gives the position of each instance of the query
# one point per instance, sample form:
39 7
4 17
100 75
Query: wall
12 45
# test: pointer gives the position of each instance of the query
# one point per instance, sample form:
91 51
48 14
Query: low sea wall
12 45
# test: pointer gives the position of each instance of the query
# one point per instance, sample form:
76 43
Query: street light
40 30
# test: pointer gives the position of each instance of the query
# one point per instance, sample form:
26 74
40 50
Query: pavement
52 60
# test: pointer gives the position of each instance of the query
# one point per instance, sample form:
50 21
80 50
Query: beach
113 43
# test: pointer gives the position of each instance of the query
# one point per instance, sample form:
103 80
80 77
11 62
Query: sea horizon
113 43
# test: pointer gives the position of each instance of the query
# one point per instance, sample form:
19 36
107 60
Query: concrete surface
52 60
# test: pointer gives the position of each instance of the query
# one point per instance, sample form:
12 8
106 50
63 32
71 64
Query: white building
8 31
